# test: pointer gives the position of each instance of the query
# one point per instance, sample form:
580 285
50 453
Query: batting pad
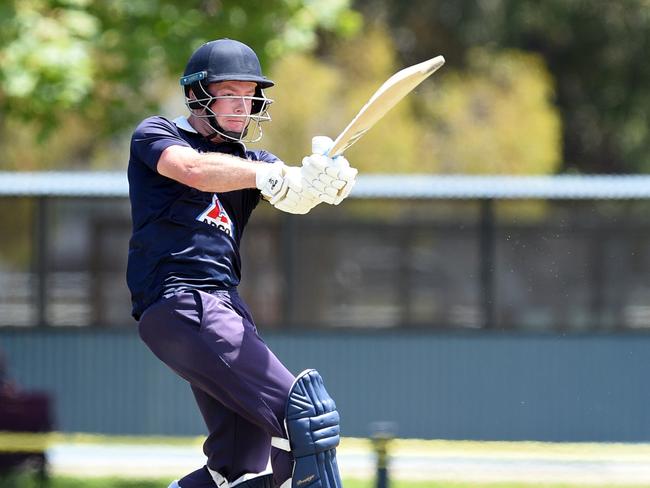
312 423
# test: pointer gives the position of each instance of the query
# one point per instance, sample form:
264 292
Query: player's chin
234 126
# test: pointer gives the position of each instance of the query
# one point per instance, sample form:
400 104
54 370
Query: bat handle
321 145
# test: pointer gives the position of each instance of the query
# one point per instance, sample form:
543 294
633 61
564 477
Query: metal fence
450 385
535 253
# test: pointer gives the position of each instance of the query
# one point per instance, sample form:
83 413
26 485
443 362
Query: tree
105 61
321 95
495 116
596 50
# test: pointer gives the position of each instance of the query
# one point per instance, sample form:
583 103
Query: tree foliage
595 49
321 95
106 60
88 70
495 116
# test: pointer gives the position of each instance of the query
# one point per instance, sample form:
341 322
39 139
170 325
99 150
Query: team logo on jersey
216 216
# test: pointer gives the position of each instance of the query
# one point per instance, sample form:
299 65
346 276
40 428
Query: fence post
40 242
381 435
487 263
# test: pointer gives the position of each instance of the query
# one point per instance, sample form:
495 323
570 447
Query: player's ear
191 99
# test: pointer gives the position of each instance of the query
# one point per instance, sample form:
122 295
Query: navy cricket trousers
241 388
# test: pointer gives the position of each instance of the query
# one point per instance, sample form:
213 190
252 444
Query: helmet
225 60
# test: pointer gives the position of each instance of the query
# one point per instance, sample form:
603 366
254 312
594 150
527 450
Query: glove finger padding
349 175
296 200
320 177
329 180
318 162
294 204
345 175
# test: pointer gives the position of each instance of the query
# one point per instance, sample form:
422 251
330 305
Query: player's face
233 111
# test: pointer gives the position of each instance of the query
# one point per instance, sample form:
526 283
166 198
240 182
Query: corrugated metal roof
571 187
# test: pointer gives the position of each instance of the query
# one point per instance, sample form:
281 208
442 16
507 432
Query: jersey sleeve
263 156
152 137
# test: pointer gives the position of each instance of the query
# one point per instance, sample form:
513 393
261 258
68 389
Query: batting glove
297 200
270 180
281 185
330 180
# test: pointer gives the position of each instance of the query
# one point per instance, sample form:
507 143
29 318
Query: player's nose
240 105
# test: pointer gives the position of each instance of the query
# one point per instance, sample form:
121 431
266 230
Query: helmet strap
228 135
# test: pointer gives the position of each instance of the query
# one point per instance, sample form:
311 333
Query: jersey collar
183 124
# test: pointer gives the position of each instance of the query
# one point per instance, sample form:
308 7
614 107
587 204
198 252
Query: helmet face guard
198 100
226 60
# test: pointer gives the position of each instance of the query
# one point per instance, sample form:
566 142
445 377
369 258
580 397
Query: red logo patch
216 216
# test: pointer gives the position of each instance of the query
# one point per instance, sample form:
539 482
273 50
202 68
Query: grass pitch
425 464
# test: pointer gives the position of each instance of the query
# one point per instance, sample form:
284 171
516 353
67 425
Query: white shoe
174 484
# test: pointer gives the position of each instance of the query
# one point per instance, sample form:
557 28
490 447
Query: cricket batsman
193 185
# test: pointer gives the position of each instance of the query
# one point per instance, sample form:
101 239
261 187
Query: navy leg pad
312 423
264 481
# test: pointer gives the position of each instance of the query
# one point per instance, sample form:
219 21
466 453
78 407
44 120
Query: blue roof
572 187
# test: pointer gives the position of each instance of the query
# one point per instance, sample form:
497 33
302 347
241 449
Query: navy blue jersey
182 238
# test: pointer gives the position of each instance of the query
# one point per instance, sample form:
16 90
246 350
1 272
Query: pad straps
281 443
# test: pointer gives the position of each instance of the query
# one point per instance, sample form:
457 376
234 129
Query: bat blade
386 97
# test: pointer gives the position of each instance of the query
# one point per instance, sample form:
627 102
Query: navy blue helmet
225 60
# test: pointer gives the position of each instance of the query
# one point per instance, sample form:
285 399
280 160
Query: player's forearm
210 172
218 172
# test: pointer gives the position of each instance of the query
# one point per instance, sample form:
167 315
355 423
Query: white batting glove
271 181
297 200
281 185
329 180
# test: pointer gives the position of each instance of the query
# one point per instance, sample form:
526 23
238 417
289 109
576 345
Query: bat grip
321 145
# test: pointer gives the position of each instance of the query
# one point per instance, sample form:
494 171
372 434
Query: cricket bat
386 97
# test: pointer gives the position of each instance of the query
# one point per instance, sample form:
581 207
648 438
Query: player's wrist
270 180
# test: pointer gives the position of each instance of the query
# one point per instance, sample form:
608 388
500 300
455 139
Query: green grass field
630 461
67 482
